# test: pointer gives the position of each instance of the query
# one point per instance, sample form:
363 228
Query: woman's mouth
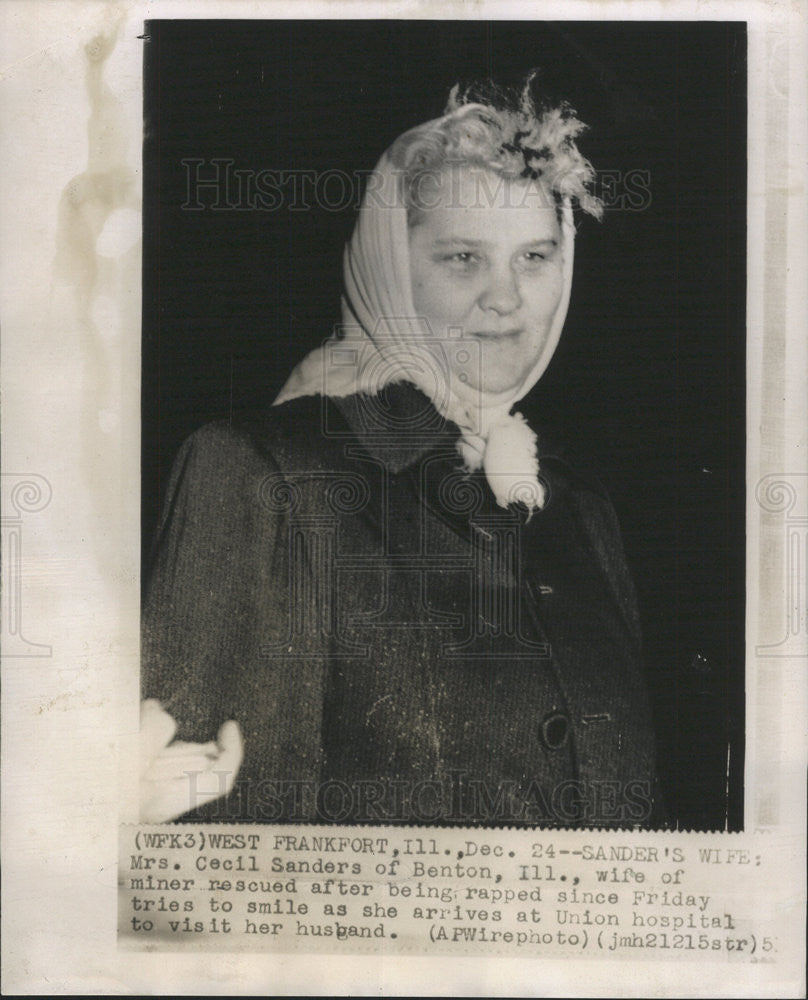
497 335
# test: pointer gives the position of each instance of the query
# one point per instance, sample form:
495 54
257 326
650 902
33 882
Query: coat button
554 731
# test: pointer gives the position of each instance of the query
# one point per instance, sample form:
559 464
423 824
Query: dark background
650 375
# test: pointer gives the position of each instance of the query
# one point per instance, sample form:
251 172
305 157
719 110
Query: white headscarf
393 344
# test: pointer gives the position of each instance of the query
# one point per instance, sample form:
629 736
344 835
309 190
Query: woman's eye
463 261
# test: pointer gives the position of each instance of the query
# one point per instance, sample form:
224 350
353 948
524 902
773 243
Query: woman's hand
177 778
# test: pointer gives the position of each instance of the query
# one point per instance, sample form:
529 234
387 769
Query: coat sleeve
208 602
217 626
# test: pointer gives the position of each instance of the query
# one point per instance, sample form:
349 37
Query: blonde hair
504 132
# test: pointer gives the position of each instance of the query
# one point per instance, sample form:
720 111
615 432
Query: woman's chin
493 382
505 366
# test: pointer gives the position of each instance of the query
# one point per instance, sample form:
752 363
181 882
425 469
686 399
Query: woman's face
486 262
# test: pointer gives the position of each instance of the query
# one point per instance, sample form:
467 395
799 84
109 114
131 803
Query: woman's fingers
177 748
176 766
184 776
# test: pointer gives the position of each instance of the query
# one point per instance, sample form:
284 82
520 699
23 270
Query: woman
410 605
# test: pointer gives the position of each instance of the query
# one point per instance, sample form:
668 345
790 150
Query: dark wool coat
394 646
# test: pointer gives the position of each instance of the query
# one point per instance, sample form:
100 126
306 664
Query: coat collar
400 425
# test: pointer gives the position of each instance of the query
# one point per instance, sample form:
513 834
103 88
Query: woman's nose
501 293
